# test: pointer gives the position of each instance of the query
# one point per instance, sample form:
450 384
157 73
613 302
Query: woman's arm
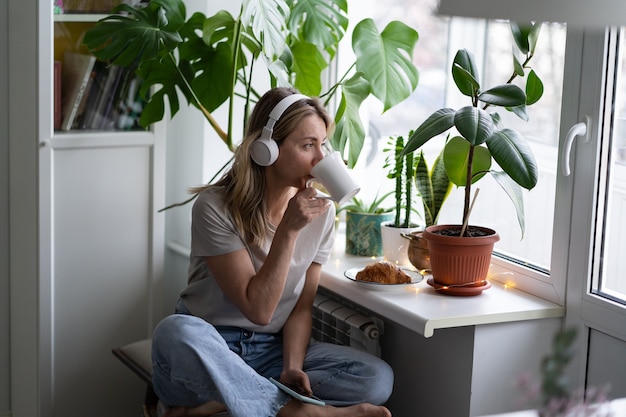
257 294
297 332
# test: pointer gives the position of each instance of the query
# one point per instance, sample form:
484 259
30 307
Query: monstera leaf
385 60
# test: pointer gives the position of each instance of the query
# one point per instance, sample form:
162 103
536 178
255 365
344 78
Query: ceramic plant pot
395 245
363 233
459 261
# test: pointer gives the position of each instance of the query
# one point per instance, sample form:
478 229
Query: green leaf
514 191
268 22
465 73
520 36
534 88
441 184
517 67
474 124
514 156
424 188
385 59
505 95
520 111
308 64
320 22
141 34
456 161
213 64
349 128
433 186
533 36
437 123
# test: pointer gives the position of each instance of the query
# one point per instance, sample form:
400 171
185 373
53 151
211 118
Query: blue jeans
195 362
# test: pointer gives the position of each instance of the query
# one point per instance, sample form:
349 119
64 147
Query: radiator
337 321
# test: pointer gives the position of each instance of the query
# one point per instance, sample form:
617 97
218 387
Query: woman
259 238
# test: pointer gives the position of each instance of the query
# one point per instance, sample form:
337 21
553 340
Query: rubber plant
212 60
481 138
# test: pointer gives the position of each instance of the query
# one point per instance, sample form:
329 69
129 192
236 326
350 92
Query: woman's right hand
303 208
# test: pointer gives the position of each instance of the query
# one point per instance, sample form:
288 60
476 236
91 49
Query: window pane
439 39
613 261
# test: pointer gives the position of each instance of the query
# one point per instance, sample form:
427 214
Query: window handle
579 129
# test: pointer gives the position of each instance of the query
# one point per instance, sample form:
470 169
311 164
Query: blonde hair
244 183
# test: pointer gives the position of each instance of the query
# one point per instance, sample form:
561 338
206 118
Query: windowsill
421 309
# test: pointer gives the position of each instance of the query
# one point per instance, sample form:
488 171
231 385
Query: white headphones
264 150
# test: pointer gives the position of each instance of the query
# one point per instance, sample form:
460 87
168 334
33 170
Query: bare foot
296 408
204 410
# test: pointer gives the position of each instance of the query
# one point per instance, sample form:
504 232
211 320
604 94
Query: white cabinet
86 236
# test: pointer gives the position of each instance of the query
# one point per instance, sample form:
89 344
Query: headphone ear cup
264 150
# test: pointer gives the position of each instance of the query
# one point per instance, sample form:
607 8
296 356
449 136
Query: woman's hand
297 377
303 208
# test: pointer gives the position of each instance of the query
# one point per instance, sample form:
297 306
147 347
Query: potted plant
468 155
401 167
363 225
214 60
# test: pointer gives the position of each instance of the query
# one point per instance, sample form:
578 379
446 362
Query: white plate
416 277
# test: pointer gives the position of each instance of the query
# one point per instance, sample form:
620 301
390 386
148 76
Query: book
58 108
108 91
76 72
109 112
95 91
83 102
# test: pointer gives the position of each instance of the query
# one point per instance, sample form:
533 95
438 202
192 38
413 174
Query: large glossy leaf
136 34
386 59
349 129
514 191
437 123
520 36
514 156
474 124
213 64
534 88
465 73
505 95
268 21
320 22
456 161
308 64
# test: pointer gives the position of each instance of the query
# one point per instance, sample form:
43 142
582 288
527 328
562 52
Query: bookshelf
90 95
101 238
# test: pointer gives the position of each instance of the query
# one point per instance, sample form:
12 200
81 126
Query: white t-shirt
213 233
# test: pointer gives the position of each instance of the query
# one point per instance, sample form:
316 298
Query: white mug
333 174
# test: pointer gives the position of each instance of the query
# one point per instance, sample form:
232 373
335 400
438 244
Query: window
491 42
609 261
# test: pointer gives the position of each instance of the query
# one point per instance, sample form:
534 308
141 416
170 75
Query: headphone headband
264 150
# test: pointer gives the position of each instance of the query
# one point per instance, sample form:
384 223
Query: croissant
383 272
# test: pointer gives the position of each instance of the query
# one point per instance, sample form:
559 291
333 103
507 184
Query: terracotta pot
459 260
418 251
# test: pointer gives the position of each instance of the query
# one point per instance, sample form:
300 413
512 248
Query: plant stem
468 185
